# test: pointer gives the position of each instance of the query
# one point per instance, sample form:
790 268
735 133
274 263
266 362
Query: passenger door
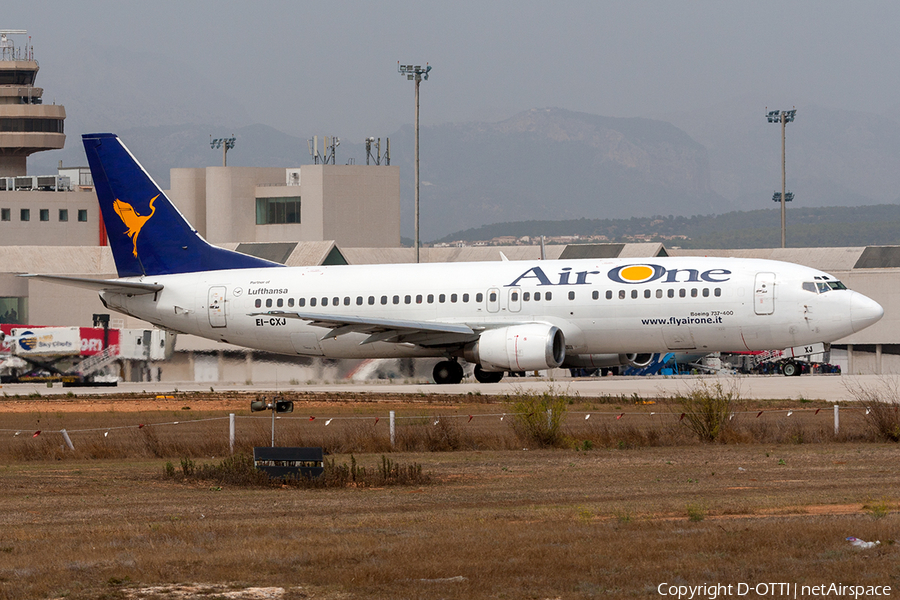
764 294
217 306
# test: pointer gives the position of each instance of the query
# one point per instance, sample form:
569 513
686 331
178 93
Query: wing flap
388 330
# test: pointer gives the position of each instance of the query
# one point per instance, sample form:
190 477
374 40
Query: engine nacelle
594 361
527 347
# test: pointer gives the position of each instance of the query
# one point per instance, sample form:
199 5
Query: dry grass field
622 506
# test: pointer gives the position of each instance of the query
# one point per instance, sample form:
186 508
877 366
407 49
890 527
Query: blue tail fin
147 234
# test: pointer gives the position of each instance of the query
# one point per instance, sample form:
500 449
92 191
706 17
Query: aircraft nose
864 311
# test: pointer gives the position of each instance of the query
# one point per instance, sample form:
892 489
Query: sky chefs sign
56 340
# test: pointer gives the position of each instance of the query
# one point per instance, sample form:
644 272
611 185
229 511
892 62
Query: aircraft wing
102 285
426 333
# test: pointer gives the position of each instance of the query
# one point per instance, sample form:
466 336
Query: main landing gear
487 376
448 371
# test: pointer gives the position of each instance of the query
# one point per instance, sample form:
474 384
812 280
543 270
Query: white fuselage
601 305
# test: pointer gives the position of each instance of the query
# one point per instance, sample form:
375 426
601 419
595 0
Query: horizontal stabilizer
102 285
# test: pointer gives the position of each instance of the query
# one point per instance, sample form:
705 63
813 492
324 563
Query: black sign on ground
289 462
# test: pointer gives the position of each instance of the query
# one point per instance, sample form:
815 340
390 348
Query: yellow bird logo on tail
133 221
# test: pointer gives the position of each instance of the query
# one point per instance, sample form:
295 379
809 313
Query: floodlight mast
225 144
415 73
784 117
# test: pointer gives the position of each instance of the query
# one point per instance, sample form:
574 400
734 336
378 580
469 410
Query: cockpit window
823 286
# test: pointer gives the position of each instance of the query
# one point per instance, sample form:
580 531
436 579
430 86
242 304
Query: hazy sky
331 66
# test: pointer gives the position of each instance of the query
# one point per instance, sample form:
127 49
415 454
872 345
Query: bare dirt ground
564 523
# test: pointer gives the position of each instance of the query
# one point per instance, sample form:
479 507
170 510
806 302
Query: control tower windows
35 125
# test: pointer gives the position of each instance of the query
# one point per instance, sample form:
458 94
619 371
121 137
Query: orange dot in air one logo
637 273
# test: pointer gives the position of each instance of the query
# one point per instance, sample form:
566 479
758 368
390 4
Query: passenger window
706 292
324 301
346 300
430 298
537 296
418 298
634 294
621 294
280 303
514 296
359 300
718 292
268 303
493 297
312 301
453 298
682 293
301 302
670 293
384 300
396 299
548 296
258 303
407 299
371 300
693 292
659 293
442 298
646 293
609 294
526 296
465 297
335 301
595 295
571 295
290 302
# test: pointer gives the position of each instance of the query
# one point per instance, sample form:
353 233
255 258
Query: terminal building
317 214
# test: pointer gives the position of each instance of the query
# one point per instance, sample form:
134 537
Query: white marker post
231 432
393 423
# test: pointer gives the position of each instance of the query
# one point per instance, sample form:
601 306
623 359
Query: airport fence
117 435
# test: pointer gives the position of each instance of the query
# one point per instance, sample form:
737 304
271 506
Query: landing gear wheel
447 371
790 369
487 376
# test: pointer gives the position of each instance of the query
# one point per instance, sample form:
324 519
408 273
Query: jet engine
593 361
527 347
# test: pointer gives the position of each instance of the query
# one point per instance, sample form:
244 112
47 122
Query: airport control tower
26 124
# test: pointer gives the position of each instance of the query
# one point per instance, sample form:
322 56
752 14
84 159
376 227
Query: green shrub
706 409
537 418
